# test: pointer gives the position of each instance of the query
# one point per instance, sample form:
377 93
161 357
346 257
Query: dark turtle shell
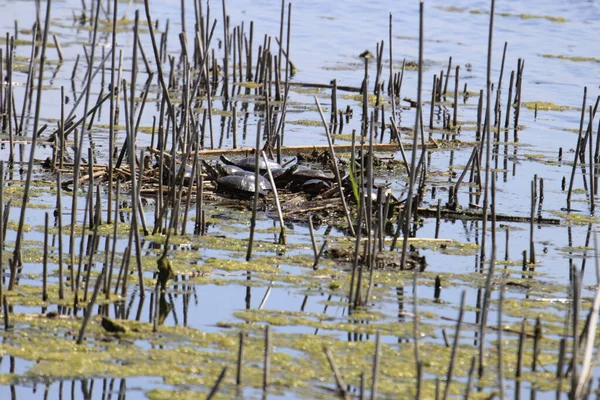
242 184
183 174
226 170
315 187
303 174
282 173
283 176
248 163
296 175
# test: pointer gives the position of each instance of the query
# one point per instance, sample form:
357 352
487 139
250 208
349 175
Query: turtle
226 170
184 173
315 187
249 163
242 185
219 170
295 176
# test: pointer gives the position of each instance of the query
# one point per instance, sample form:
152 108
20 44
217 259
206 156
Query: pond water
216 294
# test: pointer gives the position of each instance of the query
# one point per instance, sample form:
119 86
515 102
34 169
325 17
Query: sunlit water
327 38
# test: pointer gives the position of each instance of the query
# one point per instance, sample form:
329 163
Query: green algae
463 249
372 99
346 137
546 106
187 349
470 93
217 111
503 14
310 90
234 265
249 85
533 16
574 218
572 58
305 122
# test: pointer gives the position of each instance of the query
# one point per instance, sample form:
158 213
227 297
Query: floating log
390 147
478 215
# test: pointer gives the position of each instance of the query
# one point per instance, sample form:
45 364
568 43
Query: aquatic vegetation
127 263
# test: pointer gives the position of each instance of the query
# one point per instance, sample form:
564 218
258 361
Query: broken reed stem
90 306
351 295
447 76
114 246
5 308
531 222
577 150
455 345
226 46
433 99
256 191
319 254
313 240
500 344
537 336
28 83
58 48
44 261
282 239
16 260
519 98
193 176
267 365
157 59
508 101
471 378
416 314
455 110
339 381
587 363
419 380
112 111
336 170
391 48
519 367
215 388
240 360
60 238
413 156
134 192
486 197
79 140
376 365
10 94
81 250
93 246
576 295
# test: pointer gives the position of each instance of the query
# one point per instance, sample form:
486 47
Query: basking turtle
242 185
315 187
183 174
248 163
226 170
295 176
282 176
219 170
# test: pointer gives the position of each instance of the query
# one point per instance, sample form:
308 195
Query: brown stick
464 215
339 381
